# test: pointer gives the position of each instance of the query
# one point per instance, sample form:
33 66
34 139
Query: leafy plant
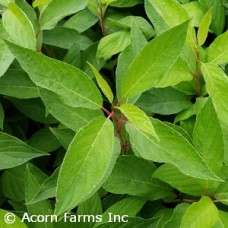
114 108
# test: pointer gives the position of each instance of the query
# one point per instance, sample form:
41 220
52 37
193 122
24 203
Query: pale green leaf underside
217 52
203 214
151 64
138 118
102 84
208 137
38 3
18 26
6 58
171 11
113 44
59 77
138 41
57 10
169 14
204 27
88 162
217 84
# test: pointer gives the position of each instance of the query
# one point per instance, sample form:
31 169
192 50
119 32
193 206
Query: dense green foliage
114 106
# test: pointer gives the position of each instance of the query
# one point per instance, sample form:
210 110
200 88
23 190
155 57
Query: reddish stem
102 12
106 110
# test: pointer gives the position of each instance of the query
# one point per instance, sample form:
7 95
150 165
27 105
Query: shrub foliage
112 107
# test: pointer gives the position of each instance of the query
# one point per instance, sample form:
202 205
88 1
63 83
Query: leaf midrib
147 71
69 90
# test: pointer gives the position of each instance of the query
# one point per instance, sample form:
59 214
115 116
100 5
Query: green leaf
65 38
16 83
113 44
91 157
44 140
73 56
164 101
104 2
2 115
134 21
89 55
185 184
64 135
38 3
204 27
138 41
222 193
129 207
62 78
13 184
132 222
225 138
192 111
168 15
57 10
208 137
30 13
223 217
91 206
218 51
194 11
179 72
19 27
4 2
34 109
201 214
78 22
138 118
175 220
14 152
188 125
180 130
102 84
217 84
72 117
46 190
218 17
6 57
164 215
17 224
170 11
143 73
171 148
137 173
156 19
126 3
33 181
